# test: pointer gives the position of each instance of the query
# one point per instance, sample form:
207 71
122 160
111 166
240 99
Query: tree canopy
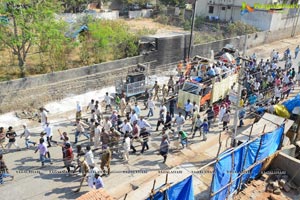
27 21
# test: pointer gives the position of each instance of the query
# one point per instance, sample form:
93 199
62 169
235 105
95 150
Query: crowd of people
118 128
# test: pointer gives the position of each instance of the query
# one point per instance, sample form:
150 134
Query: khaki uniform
105 160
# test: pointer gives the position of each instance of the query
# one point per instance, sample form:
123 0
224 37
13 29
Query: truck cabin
135 78
201 90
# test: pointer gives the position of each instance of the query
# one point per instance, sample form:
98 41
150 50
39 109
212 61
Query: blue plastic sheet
198 79
181 191
234 162
292 103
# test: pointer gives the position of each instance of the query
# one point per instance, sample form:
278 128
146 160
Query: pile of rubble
28 114
278 181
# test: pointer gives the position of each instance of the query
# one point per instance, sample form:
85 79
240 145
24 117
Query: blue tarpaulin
292 103
234 162
180 191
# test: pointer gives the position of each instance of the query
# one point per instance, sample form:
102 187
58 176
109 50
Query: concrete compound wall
37 90
146 13
74 17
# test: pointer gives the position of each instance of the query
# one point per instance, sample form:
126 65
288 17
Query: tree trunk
21 66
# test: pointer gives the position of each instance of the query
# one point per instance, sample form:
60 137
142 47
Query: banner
222 88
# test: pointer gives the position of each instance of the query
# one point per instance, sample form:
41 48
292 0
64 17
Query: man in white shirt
126 147
91 105
78 110
107 100
188 107
89 157
256 86
133 117
163 108
107 124
97 135
26 134
126 127
49 133
122 106
195 107
143 124
151 107
179 121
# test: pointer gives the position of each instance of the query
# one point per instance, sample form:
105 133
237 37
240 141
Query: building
261 16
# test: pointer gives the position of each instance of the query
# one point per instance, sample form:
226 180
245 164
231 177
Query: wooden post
152 190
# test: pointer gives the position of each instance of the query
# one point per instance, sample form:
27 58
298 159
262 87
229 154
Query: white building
230 10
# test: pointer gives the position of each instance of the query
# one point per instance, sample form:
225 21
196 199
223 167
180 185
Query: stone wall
37 90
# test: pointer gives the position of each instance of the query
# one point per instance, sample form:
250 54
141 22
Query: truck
195 92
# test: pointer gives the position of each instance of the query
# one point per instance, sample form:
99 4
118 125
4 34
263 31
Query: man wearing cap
115 138
105 160
84 170
98 182
26 133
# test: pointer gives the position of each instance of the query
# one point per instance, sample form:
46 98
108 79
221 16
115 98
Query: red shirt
69 153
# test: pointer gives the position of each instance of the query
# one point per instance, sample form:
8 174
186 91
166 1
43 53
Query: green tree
179 3
24 27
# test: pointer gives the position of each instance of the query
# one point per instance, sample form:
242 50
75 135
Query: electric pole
240 87
192 29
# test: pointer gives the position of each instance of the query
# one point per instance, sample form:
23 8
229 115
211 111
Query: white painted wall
259 19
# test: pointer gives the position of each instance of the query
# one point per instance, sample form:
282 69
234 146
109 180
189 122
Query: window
223 8
228 7
210 9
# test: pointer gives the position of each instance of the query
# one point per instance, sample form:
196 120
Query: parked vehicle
148 6
134 7
198 92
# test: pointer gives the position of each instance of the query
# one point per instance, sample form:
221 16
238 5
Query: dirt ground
150 24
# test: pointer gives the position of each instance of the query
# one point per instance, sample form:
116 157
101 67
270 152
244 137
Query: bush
239 28
163 19
187 25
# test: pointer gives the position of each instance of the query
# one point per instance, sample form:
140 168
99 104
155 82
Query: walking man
107 100
42 148
164 147
179 121
105 161
11 135
4 173
26 133
80 129
49 134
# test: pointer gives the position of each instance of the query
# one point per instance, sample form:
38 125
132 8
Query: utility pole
240 87
192 29
295 22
